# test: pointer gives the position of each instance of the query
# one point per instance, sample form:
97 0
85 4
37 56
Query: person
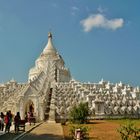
31 114
1 121
29 117
7 122
17 122
10 119
26 117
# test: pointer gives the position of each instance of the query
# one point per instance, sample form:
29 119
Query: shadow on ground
42 137
9 136
95 122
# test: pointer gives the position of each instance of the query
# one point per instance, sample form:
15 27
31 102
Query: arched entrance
29 107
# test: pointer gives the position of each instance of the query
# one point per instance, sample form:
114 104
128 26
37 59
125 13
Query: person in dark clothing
26 117
10 119
1 121
7 122
17 122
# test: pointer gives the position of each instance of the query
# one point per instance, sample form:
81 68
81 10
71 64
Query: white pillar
41 113
22 110
36 108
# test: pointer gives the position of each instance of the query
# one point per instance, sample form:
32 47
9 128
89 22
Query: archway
29 107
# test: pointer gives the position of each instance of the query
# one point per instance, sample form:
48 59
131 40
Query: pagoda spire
49 48
50 35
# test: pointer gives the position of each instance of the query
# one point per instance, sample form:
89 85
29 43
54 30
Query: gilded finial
49 35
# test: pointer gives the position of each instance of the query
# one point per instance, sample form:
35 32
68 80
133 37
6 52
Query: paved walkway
11 129
12 135
49 131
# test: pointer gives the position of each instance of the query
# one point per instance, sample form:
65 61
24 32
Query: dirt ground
102 129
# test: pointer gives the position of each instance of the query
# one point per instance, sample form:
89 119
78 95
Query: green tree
79 113
129 132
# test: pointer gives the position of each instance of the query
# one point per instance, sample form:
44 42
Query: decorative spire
49 48
49 35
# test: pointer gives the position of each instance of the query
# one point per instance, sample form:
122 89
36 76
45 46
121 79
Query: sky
96 38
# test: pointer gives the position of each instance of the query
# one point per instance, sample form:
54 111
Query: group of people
6 121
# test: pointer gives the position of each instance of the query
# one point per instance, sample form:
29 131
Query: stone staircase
48 107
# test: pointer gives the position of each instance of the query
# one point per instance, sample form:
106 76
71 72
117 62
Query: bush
79 113
83 129
129 132
63 122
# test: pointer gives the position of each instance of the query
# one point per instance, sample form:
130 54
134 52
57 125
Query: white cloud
74 10
100 9
100 21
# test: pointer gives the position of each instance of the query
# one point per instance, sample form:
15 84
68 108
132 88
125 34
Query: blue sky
96 38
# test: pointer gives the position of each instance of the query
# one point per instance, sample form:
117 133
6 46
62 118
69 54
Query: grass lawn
102 129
